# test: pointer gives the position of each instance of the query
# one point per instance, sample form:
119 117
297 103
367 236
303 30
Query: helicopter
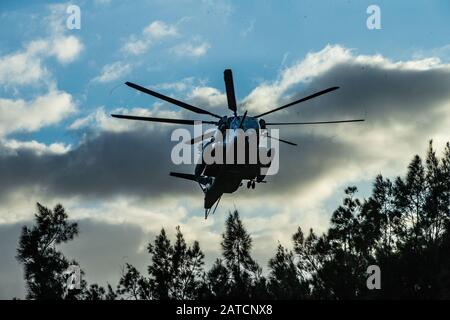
219 177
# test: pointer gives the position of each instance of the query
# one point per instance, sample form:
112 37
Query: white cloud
23 67
26 66
136 46
208 96
113 71
100 120
34 146
21 115
66 49
182 85
191 49
156 31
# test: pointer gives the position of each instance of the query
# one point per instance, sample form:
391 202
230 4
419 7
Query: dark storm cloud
385 97
380 94
138 162
135 162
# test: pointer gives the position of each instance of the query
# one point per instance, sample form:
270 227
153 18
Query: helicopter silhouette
219 177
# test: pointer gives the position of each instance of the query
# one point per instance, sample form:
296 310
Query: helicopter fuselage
234 155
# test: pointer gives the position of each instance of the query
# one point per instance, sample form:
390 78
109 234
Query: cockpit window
249 123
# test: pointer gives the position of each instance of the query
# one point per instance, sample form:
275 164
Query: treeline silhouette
403 227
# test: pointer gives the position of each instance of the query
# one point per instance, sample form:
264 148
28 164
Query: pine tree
44 265
236 246
283 280
187 268
160 270
96 292
132 285
218 281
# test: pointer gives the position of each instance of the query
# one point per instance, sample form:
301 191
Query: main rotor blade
164 120
316 122
229 86
281 140
181 104
242 120
299 101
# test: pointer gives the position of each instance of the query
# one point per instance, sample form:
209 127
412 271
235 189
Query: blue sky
58 86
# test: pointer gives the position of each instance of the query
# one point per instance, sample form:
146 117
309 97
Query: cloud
36 147
113 71
405 103
182 85
26 66
207 96
191 49
107 165
99 121
28 116
135 46
156 31
66 49
121 168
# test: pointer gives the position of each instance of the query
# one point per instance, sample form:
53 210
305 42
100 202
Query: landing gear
251 184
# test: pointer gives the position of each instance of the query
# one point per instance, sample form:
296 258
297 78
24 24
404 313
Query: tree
218 280
44 265
175 272
402 227
283 280
187 268
96 292
160 270
132 285
246 280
